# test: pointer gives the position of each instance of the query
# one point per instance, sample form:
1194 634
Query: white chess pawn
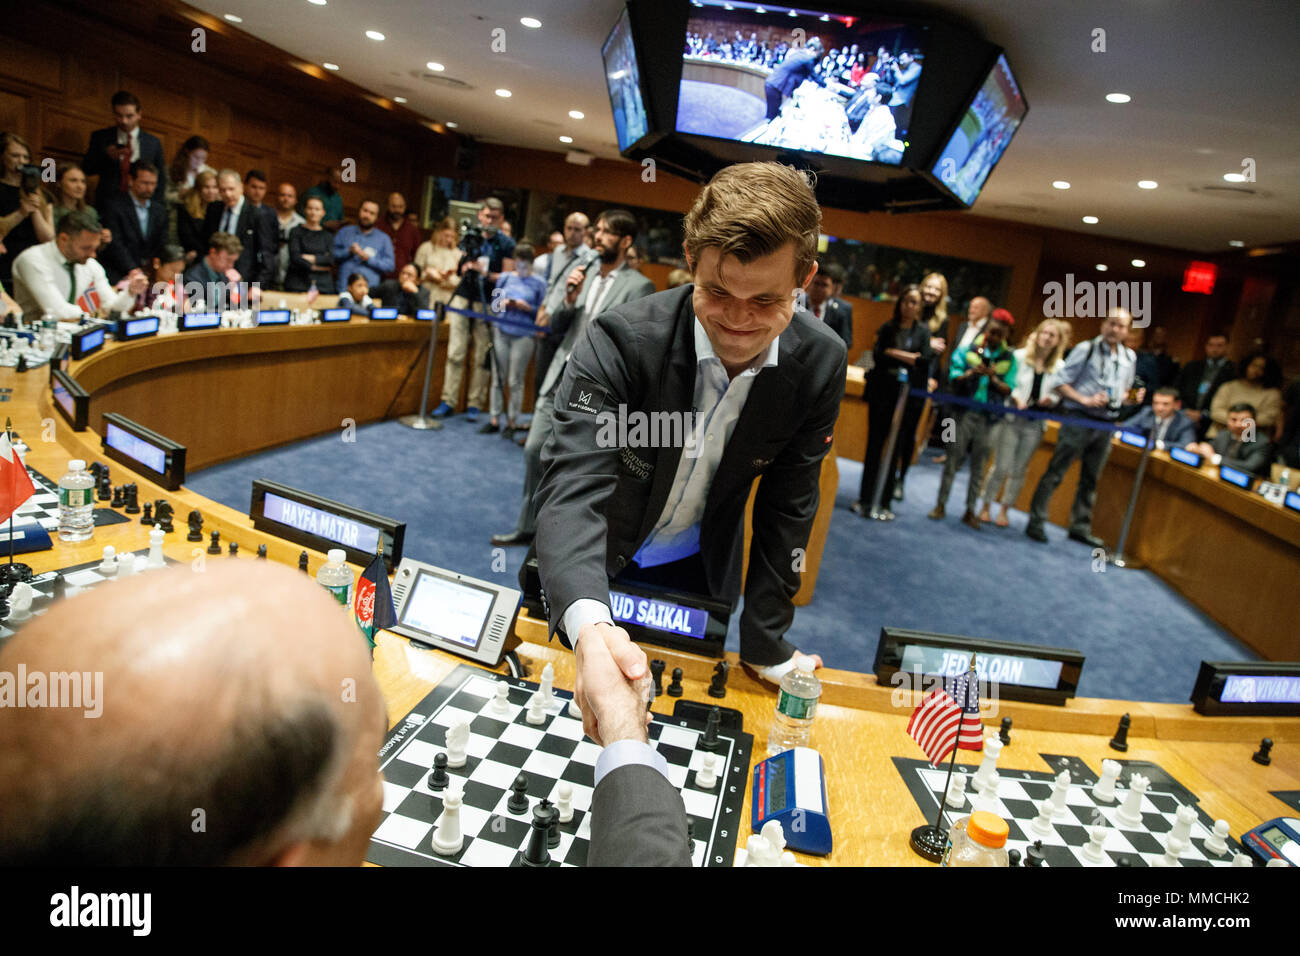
548 684
1217 842
1173 850
1104 791
957 792
536 713
564 801
1242 859
448 838
574 710
108 566
501 702
156 559
1094 852
707 777
1043 822
457 743
1130 812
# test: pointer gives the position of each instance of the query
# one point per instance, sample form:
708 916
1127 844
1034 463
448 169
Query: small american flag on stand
949 715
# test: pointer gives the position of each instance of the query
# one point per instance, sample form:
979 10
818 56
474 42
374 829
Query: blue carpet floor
454 488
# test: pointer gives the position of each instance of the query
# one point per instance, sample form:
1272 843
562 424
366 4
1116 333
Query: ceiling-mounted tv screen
829 83
982 134
623 77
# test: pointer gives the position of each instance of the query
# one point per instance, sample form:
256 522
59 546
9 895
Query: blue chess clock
791 788
1277 839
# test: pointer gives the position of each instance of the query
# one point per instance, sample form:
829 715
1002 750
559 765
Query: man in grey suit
600 284
755 388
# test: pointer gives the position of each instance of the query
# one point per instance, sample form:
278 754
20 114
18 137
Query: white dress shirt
134 139
41 283
972 329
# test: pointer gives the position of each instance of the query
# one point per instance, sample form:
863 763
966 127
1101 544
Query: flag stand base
12 573
421 423
929 841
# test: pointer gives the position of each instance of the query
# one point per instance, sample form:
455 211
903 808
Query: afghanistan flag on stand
373 604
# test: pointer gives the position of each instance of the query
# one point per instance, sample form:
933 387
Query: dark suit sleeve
578 474
1182 432
784 509
637 819
268 242
96 161
153 146
116 256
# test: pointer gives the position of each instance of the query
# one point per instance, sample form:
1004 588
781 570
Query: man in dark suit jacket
112 151
823 305
133 248
798 65
754 388
254 226
1199 380
1173 428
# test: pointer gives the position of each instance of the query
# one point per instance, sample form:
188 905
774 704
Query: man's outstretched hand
611 684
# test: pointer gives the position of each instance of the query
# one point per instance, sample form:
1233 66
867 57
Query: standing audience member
1200 380
253 226
575 251
287 219
986 373
978 311
517 297
25 213
50 278
1093 384
405 235
1259 384
191 212
1016 437
825 307
837 274
934 315
330 196
311 253
113 150
138 222
437 259
363 248
1240 444
255 184
191 159
71 197
902 360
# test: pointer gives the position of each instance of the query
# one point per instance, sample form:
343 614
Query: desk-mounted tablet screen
1247 688
1235 476
273 317
143 327
426 315
336 315
453 612
1189 458
1133 438
86 342
72 401
1292 500
189 321
383 313
322 523
153 455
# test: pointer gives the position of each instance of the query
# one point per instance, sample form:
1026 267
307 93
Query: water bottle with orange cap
977 840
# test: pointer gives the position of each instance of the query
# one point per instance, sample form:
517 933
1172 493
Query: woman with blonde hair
934 316
190 212
1038 362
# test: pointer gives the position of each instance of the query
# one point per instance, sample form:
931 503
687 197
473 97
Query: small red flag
15 483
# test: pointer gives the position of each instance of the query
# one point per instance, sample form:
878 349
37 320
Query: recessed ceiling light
1117 97
531 22
1147 184
504 94
566 139
759 10
825 18
1102 267
450 125
1060 184
234 19
1090 220
374 34
330 66
791 13
399 99
1138 263
576 114
1233 178
435 66
317 3
1236 243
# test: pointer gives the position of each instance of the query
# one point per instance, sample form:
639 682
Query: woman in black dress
190 212
902 354
311 253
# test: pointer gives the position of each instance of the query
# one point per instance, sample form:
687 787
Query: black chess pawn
1120 740
119 498
1004 734
302 561
439 778
261 552
234 549
195 521
132 495
214 542
675 688
518 802
718 686
657 672
147 517
1261 756
105 488
1013 857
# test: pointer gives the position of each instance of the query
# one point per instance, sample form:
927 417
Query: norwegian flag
88 301
373 604
949 715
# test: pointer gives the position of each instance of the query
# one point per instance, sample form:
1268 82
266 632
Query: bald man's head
239 724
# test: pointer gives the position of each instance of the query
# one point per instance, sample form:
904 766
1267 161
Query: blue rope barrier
947 398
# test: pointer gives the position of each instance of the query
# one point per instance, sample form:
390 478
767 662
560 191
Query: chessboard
80 576
501 746
1021 792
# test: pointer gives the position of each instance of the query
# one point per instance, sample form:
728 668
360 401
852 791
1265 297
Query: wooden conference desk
1230 552
858 727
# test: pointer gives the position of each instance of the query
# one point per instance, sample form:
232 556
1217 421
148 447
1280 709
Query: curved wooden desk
860 725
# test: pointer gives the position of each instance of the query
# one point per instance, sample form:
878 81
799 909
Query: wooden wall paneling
30 65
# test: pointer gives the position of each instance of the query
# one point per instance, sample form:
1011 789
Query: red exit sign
1199 277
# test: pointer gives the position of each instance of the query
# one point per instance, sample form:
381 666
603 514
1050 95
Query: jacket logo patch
585 397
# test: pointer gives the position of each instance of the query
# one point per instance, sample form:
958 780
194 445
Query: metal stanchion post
876 513
1119 560
421 421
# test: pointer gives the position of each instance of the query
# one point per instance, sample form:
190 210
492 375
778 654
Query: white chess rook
1182 830
1104 791
156 559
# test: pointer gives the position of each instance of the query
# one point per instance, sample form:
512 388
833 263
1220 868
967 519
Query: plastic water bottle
977 840
76 503
336 577
796 706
